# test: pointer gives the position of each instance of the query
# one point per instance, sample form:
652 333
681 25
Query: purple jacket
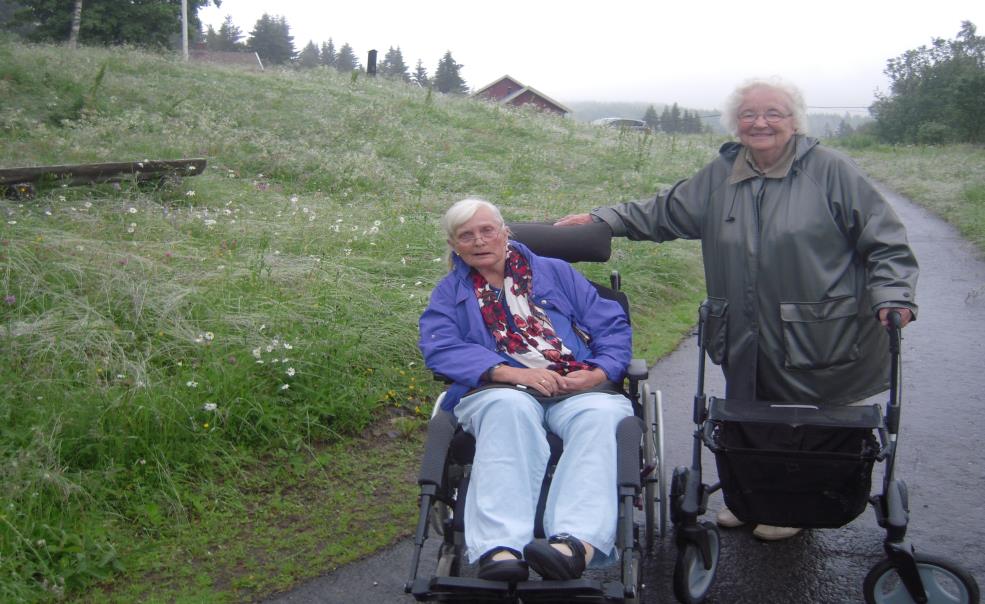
456 343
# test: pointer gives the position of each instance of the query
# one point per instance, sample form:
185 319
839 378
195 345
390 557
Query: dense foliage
149 23
937 93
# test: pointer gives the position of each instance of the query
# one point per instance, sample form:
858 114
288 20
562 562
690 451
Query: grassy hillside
948 180
209 383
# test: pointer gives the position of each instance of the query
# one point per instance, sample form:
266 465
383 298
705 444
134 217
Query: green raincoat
796 269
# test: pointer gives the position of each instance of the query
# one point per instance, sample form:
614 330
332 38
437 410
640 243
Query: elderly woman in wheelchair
530 346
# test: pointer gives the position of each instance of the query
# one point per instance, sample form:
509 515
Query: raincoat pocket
715 334
817 335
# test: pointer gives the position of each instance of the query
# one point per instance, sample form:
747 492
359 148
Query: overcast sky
659 51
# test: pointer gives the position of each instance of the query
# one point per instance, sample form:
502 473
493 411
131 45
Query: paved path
940 458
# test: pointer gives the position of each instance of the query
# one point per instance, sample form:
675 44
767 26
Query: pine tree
665 119
393 65
227 38
328 53
421 75
345 60
447 77
271 40
651 118
674 123
309 56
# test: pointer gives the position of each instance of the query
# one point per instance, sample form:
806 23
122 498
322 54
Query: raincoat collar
743 167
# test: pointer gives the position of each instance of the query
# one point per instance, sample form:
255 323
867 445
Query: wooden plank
78 174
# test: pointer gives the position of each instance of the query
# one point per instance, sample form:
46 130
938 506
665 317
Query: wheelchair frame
641 482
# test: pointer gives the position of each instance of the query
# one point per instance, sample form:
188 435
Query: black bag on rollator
794 465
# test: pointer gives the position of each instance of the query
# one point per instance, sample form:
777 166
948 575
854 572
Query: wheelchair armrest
441 429
637 370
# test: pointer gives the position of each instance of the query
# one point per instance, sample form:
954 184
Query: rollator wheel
691 579
655 487
944 582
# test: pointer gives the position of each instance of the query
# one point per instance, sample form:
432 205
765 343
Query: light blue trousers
511 457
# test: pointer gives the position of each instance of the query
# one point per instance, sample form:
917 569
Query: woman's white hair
461 212
795 104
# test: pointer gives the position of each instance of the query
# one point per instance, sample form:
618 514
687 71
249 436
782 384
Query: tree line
157 24
272 41
673 120
937 93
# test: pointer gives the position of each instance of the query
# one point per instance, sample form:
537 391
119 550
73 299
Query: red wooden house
508 91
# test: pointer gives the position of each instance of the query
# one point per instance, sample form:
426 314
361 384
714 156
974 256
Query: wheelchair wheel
449 561
655 487
635 577
440 512
691 579
943 581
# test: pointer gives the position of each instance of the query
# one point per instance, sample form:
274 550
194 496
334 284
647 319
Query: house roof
523 88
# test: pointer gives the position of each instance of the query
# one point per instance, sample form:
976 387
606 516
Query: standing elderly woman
803 258
529 344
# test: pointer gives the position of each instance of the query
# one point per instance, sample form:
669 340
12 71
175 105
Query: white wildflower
191 384
290 372
285 386
209 407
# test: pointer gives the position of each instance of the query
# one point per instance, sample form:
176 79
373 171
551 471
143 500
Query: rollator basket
793 465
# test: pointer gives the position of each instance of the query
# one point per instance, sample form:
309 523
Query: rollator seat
794 414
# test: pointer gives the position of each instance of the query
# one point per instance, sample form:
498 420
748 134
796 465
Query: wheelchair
801 465
642 491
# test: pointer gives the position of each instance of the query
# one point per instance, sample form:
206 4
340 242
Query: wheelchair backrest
579 243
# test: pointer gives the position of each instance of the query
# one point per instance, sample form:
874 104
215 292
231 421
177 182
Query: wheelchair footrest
461 589
577 590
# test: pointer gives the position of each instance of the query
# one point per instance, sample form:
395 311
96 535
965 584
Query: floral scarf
529 338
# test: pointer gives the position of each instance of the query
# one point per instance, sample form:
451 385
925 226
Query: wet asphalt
940 458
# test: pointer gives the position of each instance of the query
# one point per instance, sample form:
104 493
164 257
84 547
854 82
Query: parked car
623 123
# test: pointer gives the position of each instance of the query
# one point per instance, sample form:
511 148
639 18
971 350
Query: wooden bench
23 182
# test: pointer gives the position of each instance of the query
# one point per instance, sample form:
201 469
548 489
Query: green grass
948 180
191 371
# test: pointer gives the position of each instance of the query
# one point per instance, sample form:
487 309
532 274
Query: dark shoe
552 564
511 571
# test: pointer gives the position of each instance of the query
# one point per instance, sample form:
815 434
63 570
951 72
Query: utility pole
184 29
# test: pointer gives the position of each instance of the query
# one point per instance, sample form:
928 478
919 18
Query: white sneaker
774 533
727 519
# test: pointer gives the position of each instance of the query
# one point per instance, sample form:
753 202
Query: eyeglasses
772 116
486 232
